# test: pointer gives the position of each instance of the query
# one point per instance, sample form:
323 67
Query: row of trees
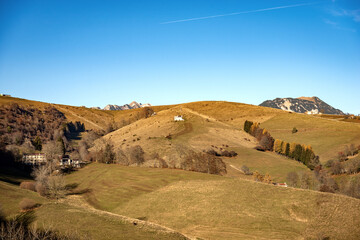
261 134
299 152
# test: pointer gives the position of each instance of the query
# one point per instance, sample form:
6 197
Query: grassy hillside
326 136
215 207
78 221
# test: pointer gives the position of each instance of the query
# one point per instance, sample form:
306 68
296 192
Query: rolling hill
197 204
215 207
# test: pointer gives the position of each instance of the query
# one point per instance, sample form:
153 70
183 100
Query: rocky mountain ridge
309 105
132 105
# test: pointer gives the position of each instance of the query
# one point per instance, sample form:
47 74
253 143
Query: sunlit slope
79 222
216 207
270 163
326 136
173 140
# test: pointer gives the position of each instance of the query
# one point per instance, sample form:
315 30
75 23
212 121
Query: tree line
299 152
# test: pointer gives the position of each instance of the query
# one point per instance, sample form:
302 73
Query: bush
28 185
213 152
246 170
40 188
294 130
228 154
203 162
292 179
27 204
136 155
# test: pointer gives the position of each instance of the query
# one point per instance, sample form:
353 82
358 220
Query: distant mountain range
309 105
132 105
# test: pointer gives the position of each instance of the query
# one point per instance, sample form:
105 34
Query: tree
278 145
121 157
287 149
297 152
258 177
56 186
292 149
136 155
52 150
292 179
352 149
267 142
47 182
247 126
61 145
267 179
37 143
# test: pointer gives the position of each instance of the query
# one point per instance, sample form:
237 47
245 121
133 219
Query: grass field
215 207
326 136
264 162
77 221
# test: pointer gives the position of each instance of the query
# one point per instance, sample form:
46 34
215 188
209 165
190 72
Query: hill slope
215 207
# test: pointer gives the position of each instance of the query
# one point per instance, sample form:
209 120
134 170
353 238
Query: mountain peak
132 105
309 105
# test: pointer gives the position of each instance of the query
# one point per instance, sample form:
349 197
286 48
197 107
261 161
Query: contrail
237 13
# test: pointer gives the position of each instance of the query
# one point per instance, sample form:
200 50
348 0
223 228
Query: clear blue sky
94 53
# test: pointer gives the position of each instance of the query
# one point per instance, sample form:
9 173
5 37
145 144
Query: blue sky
94 53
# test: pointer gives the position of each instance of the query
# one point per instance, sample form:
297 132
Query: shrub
258 177
246 170
213 152
294 130
121 158
203 162
40 188
27 204
56 187
28 185
136 155
228 154
292 179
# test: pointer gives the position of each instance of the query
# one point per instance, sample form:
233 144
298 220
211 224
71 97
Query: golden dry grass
215 207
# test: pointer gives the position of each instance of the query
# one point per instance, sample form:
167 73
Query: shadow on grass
71 188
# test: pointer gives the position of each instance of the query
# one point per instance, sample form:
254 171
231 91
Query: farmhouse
178 118
66 161
34 159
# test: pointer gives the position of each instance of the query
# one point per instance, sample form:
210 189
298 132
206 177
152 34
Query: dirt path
79 202
78 116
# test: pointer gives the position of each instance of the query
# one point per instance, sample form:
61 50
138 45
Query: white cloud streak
238 13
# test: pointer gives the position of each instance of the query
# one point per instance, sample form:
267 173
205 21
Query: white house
34 159
67 161
178 118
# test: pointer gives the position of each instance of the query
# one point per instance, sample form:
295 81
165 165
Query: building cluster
38 159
